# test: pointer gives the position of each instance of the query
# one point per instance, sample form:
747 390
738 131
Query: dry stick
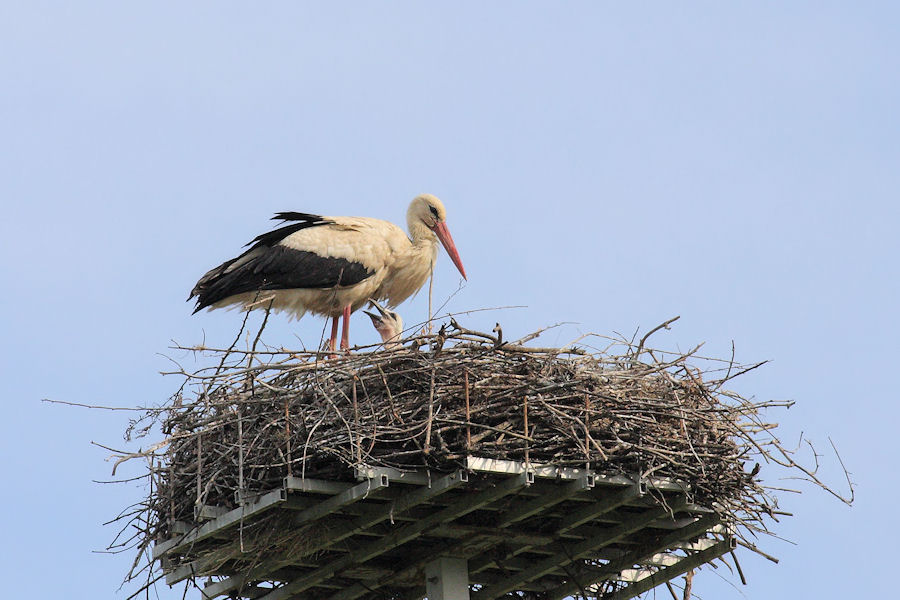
427 449
259 334
846 473
587 431
171 496
199 467
241 470
672 590
287 434
738 566
525 424
688 583
97 407
356 425
468 413
665 325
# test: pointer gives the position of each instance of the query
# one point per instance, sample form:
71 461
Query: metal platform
492 528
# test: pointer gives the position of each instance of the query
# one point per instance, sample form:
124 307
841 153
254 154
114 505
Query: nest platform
457 463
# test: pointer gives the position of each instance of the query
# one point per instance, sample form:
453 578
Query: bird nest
241 426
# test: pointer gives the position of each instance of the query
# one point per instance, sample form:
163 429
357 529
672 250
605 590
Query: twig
688 584
468 412
664 325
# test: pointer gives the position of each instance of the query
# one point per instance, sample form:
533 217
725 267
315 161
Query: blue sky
602 164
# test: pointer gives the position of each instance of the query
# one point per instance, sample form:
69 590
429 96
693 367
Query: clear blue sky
602 164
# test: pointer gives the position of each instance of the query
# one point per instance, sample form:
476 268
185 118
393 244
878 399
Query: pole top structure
495 527
454 460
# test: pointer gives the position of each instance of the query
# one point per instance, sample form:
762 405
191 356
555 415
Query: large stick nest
259 416
251 424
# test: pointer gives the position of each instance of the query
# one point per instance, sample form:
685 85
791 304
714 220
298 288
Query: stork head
427 210
387 323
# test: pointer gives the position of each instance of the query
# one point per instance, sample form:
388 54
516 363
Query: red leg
332 344
345 332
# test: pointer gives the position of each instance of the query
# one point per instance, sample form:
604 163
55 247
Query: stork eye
433 210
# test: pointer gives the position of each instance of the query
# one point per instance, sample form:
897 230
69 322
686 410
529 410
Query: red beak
440 229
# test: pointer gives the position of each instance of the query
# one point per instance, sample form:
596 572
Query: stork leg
332 344
345 332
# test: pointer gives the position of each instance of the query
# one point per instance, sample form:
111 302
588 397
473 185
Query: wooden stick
427 449
287 434
468 412
688 584
356 424
587 431
525 425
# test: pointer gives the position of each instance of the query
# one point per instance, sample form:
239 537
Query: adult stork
332 266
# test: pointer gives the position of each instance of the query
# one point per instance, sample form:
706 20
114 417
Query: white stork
388 324
332 266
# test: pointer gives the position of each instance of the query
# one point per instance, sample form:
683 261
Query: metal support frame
342 532
545 501
465 506
663 559
590 575
577 550
395 475
579 480
607 528
501 466
210 528
338 501
403 535
344 494
447 579
568 523
314 486
679 568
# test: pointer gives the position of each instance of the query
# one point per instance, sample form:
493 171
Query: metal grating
516 527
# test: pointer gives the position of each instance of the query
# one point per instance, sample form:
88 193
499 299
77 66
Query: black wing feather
269 265
304 221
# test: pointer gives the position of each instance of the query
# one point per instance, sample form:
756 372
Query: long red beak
440 229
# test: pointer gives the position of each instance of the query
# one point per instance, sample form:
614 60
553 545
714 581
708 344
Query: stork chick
388 324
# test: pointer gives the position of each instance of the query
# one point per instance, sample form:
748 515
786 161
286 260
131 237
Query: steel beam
587 513
314 486
681 567
513 467
532 507
590 575
514 536
542 471
338 501
210 528
462 507
395 475
602 506
343 531
578 550
342 492
525 539
662 559
206 512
